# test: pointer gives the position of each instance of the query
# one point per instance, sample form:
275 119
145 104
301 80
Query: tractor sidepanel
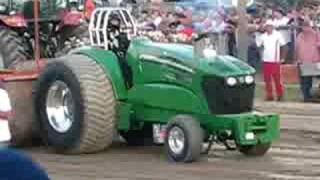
110 63
166 96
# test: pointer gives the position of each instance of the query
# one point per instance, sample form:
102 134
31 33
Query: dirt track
295 156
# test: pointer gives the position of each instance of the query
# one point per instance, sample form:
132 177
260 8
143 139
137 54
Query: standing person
5 111
271 42
13 164
281 22
254 56
232 25
17 166
307 50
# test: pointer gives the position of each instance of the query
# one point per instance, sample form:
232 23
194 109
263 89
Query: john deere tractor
148 92
63 26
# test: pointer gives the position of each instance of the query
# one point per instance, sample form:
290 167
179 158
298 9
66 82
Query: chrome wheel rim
176 140
60 107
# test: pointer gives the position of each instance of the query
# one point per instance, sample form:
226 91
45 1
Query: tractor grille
223 99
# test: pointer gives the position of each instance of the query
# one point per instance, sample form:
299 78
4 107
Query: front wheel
255 150
184 139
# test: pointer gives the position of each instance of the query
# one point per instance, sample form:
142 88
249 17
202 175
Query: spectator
232 24
271 41
281 22
5 111
254 56
5 106
16 166
157 18
217 25
307 51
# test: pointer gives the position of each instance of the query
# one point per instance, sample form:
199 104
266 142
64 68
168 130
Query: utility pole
243 38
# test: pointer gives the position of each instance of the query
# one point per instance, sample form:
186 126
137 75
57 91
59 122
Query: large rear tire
12 50
85 121
73 37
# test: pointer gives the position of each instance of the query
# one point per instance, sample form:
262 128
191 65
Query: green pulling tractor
148 92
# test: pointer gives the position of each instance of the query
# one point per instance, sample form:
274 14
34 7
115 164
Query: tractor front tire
12 50
75 104
184 138
255 150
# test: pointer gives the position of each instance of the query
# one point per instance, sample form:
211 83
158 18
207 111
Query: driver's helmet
115 21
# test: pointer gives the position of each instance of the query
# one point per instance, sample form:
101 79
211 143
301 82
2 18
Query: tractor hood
224 66
183 56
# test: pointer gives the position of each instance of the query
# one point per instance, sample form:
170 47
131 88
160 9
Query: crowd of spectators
296 30
288 22
183 21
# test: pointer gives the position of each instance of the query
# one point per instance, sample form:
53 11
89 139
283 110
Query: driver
114 31
119 41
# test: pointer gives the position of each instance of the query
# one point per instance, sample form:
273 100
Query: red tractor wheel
73 37
12 49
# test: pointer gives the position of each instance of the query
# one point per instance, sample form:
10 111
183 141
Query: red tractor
57 26
63 25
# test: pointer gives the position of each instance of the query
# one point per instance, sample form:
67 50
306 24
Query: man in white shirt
281 23
5 112
271 42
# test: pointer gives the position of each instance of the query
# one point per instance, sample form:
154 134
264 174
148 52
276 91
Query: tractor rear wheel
73 37
183 142
12 50
75 104
255 150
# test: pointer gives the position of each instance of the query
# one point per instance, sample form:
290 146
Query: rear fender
15 21
109 61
